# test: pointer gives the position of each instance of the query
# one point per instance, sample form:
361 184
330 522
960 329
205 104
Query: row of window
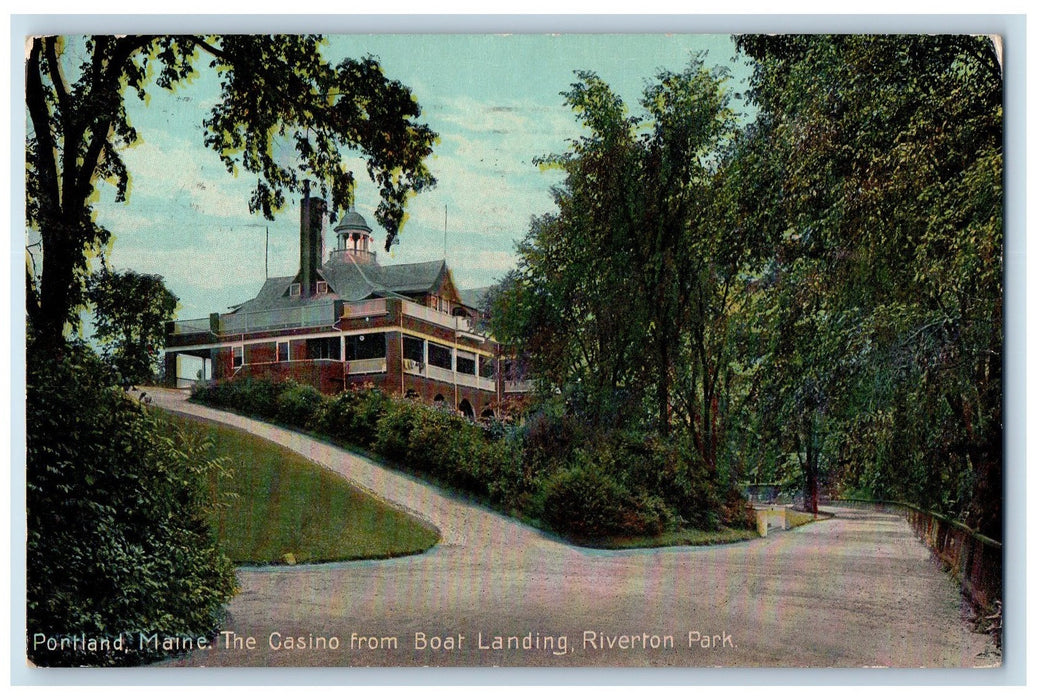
295 289
371 346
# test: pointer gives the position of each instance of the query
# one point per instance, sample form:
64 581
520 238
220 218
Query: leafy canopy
271 87
130 313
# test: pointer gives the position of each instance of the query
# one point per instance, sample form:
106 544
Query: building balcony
448 376
315 315
365 309
240 323
521 386
319 315
461 324
374 365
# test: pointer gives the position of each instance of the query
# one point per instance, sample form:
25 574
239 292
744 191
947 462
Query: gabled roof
350 281
412 277
473 298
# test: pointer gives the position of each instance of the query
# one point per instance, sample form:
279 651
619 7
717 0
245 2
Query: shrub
394 428
254 397
117 542
548 439
586 502
671 470
447 446
297 404
506 484
352 416
633 482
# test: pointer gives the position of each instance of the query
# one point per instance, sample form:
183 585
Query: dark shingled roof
473 298
351 282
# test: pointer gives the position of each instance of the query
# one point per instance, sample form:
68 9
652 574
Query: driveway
858 590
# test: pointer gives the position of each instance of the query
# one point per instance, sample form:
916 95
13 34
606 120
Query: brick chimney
311 224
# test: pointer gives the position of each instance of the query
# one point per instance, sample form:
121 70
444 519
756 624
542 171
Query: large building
348 321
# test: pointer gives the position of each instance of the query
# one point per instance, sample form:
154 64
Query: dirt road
855 591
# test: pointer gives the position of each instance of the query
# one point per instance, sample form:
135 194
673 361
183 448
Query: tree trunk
810 471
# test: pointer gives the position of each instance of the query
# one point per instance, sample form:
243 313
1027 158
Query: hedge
582 484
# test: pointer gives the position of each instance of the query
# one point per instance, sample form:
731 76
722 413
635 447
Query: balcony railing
440 374
190 326
425 313
518 387
276 319
361 309
372 366
449 376
315 315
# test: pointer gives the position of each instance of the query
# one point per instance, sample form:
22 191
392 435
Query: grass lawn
280 507
797 518
673 539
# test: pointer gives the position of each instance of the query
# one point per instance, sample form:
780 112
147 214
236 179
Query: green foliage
878 167
254 397
585 501
645 484
622 299
297 404
130 313
117 542
352 417
272 87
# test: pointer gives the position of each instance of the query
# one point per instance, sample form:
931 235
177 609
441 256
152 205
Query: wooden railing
973 559
360 309
371 366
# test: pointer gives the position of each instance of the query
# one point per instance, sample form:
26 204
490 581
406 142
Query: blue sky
494 101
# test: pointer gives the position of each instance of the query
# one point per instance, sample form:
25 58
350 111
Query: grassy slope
279 503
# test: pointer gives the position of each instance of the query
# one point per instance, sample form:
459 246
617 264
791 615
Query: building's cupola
353 240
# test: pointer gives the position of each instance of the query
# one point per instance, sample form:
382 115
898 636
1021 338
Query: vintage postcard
515 350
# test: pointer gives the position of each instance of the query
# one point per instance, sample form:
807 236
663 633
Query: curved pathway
858 590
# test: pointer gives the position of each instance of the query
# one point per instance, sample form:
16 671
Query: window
413 348
295 290
282 352
486 367
322 287
465 363
324 348
365 347
440 356
238 352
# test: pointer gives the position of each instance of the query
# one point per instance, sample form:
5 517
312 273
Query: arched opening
411 394
439 400
465 407
487 414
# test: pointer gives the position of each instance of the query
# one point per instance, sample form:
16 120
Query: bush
253 397
447 446
393 429
586 502
117 542
506 481
297 404
672 471
585 483
352 417
548 439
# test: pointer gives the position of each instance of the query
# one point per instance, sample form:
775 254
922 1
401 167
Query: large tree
617 291
130 311
271 87
882 163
